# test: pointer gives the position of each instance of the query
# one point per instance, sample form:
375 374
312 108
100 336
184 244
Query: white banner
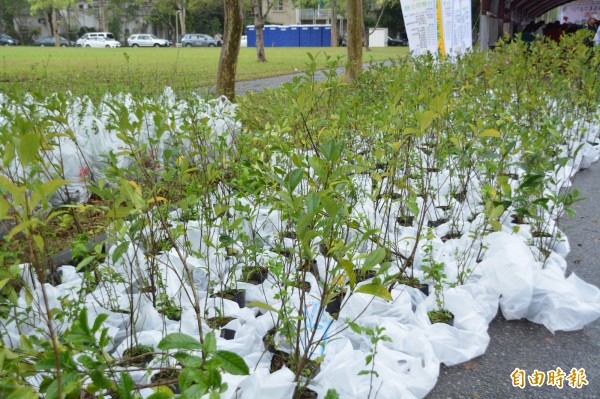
579 12
421 21
421 25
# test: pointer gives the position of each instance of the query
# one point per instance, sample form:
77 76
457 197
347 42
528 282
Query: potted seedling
434 271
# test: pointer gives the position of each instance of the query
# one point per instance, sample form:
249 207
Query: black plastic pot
238 296
227 333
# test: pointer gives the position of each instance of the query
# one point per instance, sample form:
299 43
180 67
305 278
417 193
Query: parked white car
146 40
100 42
94 35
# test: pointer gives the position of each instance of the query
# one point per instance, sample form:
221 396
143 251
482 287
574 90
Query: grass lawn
147 71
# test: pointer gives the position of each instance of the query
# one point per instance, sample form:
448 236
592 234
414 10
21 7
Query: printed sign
438 26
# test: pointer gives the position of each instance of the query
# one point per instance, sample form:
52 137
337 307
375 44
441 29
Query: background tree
205 16
53 6
355 16
11 17
393 19
260 14
232 36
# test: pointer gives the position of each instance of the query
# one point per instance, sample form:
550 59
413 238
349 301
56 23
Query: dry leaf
470 365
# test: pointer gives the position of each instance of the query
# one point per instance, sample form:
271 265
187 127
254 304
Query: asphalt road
528 346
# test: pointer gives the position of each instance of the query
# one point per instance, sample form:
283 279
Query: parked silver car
198 40
146 40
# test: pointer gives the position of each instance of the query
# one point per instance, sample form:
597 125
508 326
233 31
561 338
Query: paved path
528 346
522 344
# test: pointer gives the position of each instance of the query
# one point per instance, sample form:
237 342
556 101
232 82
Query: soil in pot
460 196
360 276
303 285
255 275
414 283
138 355
304 393
335 304
269 340
518 219
540 234
238 296
451 235
279 360
441 316
168 377
218 322
405 221
310 266
436 223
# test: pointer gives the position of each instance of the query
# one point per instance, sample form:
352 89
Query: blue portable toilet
326 35
283 37
251 34
271 33
305 35
315 36
293 36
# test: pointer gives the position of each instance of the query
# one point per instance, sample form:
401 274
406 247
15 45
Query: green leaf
375 289
188 360
304 222
179 341
47 363
332 394
349 269
119 251
495 225
331 206
210 342
70 383
51 186
312 202
125 386
23 393
262 305
98 322
426 119
83 320
29 144
373 259
294 178
490 133
162 393
22 226
85 262
232 363
100 380
496 212
3 283
194 392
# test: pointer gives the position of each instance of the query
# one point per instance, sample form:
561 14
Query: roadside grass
94 72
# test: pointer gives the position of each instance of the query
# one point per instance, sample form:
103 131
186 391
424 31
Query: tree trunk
334 24
55 28
354 12
102 16
232 37
182 15
259 26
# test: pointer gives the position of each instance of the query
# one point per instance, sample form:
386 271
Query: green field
147 71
